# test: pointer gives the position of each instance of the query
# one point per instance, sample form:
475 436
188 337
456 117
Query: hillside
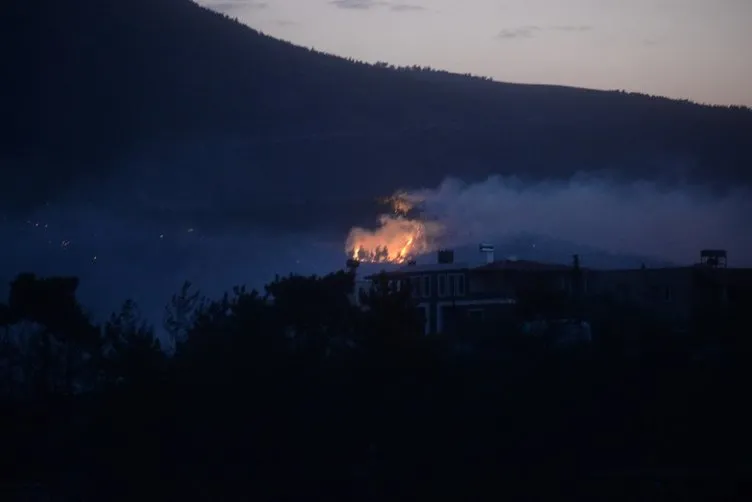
95 82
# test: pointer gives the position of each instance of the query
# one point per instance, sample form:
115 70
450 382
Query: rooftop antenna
488 251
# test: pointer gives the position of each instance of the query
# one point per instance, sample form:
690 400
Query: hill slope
96 82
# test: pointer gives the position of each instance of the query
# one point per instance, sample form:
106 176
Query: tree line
295 392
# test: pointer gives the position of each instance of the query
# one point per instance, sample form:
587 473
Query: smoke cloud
639 218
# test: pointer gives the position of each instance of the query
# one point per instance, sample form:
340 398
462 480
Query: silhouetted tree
298 390
55 329
392 323
316 313
180 314
131 354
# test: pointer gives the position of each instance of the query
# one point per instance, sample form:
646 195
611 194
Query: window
442 284
426 286
459 288
456 284
404 284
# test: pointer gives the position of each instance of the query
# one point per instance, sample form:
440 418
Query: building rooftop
506 264
428 267
524 265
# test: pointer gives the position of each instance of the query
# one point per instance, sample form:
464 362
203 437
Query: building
682 297
454 295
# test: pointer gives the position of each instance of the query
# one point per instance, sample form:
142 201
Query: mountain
159 90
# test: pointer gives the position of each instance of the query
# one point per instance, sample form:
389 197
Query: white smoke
627 218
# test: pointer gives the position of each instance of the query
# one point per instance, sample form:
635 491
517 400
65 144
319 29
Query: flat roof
428 267
534 266
524 265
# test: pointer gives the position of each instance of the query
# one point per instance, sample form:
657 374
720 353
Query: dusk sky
695 49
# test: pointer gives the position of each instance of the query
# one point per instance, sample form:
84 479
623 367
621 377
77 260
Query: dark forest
295 393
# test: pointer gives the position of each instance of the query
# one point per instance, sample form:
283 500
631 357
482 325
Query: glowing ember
397 239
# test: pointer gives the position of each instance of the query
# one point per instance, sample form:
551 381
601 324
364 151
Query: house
452 295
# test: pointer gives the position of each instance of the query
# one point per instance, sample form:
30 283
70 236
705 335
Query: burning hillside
639 219
398 238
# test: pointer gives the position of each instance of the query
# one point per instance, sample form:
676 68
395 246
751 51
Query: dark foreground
308 398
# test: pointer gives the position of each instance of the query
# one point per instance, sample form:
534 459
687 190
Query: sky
693 49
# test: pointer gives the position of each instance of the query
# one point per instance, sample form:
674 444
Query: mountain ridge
98 83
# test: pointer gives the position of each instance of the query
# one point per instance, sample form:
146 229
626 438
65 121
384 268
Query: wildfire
397 239
401 204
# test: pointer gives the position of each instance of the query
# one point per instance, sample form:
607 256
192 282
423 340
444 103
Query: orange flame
396 240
